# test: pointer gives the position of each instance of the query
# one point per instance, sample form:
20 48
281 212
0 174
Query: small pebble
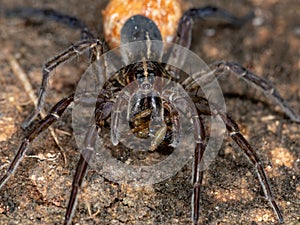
210 32
257 21
297 31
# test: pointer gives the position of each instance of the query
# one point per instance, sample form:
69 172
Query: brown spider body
148 75
145 75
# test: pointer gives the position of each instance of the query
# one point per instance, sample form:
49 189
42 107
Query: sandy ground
38 192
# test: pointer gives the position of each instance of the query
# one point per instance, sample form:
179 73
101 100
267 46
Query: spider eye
151 77
140 77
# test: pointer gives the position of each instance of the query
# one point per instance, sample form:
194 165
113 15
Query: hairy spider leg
54 114
200 145
185 25
186 22
200 138
234 132
115 119
96 47
184 36
197 170
53 15
223 68
78 48
220 68
102 112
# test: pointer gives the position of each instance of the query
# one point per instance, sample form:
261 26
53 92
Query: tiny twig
22 76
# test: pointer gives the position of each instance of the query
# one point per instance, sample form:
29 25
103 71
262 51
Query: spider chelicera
146 72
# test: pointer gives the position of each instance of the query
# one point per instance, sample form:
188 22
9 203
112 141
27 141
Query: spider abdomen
164 13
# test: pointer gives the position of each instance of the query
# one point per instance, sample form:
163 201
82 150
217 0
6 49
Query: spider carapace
129 21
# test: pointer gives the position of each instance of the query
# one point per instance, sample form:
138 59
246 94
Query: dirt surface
38 192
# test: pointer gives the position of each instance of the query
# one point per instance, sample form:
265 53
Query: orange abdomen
164 13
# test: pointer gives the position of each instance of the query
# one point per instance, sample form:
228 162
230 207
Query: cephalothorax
148 115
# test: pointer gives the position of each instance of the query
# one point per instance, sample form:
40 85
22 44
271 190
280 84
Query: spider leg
80 172
221 68
185 26
198 166
102 112
184 30
234 131
235 134
115 118
198 170
54 114
51 14
77 48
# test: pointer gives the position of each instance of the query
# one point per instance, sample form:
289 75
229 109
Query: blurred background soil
38 192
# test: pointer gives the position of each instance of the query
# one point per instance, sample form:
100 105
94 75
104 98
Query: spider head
145 75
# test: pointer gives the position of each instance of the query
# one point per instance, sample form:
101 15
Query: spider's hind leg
50 14
185 25
225 68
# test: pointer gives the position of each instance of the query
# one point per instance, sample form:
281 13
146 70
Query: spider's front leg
102 112
204 107
200 139
235 134
81 170
54 114
198 168
78 48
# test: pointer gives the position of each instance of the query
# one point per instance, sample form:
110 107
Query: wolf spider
97 47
